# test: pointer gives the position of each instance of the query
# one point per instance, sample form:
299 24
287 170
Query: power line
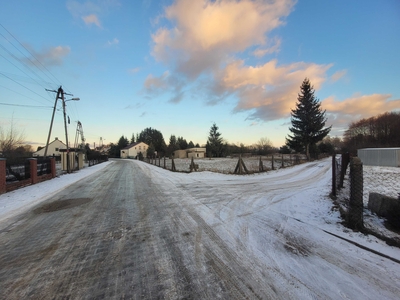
1 73
22 105
12 55
30 54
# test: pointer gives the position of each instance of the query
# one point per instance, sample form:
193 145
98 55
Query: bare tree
10 139
264 146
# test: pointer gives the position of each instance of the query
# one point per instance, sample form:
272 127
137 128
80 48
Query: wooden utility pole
52 119
60 95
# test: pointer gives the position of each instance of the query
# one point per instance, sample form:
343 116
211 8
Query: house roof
133 145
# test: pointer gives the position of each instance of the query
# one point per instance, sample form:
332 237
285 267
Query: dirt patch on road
61 204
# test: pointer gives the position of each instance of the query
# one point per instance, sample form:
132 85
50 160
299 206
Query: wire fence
254 164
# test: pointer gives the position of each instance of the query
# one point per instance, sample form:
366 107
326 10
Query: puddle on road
60 205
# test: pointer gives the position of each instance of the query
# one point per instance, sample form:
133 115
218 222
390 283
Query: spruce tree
215 142
308 121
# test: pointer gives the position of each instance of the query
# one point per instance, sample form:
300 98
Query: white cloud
133 70
115 41
274 46
52 56
91 11
91 19
206 32
269 90
337 75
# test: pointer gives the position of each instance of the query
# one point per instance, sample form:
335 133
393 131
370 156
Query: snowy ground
288 208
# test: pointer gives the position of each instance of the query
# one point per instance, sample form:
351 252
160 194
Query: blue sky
180 66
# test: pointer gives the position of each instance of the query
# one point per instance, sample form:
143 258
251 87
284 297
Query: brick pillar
3 187
33 166
355 214
53 167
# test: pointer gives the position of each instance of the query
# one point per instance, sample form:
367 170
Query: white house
52 150
133 150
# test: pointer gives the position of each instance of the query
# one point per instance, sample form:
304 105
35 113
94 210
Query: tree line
373 132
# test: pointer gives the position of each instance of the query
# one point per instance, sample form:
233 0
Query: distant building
133 150
52 150
388 157
189 153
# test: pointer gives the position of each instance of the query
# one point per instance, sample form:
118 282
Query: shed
189 153
385 157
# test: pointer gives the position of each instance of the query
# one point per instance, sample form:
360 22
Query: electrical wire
22 105
30 54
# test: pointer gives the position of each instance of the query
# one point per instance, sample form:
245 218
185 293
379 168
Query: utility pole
66 133
60 95
52 119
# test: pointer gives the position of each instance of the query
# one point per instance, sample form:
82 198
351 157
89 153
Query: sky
180 66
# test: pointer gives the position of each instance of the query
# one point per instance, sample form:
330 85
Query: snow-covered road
226 236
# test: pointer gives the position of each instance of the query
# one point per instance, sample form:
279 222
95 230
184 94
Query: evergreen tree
172 145
182 143
190 145
215 142
308 121
122 142
150 151
155 137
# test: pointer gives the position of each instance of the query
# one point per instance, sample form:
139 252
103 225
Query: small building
189 153
133 150
385 157
53 149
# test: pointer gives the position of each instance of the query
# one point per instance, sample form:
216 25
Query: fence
15 174
96 158
247 165
352 209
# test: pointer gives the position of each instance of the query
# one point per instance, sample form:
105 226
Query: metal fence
17 169
95 158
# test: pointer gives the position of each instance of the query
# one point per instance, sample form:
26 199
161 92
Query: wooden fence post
261 166
164 163
240 167
355 214
334 175
173 165
345 163
282 162
192 166
272 162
